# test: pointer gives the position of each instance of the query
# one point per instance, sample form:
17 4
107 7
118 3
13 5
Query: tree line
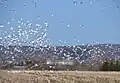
110 66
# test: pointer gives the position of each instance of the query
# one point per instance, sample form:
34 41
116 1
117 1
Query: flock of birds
35 35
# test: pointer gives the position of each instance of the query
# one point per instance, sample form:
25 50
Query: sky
85 21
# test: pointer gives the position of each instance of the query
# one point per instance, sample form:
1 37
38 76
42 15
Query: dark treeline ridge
110 66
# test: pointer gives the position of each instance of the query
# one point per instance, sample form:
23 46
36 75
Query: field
58 77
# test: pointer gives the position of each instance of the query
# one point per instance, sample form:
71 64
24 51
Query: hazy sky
88 22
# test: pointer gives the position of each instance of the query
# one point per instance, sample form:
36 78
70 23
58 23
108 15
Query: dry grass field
58 77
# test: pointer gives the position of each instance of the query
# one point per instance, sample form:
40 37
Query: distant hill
87 54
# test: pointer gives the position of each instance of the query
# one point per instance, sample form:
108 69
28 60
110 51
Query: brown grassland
58 77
